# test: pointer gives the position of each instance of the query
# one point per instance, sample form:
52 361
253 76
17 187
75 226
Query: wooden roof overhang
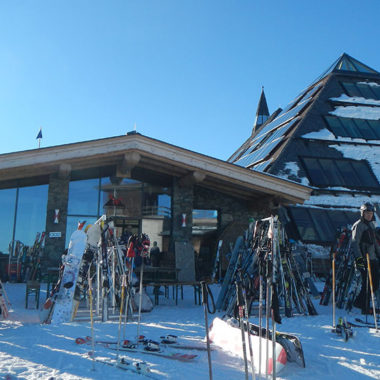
137 152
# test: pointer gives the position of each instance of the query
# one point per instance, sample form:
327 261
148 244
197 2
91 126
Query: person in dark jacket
155 255
364 242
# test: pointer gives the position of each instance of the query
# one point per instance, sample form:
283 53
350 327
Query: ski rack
266 245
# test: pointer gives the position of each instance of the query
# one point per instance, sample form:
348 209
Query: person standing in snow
364 241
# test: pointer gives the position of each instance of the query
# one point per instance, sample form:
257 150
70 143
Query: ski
141 368
367 326
165 342
365 322
146 346
156 352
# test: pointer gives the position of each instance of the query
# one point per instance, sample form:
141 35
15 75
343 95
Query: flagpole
39 137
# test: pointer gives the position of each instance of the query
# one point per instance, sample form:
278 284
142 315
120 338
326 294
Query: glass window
304 224
376 91
322 224
315 172
365 129
375 125
338 219
351 89
72 225
351 127
336 126
366 91
84 197
31 213
366 178
7 214
331 172
352 216
348 174
204 221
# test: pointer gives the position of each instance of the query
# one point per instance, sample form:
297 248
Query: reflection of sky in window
84 197
72 225
164 204
31 213
7 210
205 214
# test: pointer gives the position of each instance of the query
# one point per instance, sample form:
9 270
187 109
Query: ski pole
371 289
333 289
204 303
260 319
140 296
91 317
121 313
240 305
246 309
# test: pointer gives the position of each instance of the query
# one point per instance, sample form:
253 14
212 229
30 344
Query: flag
39 136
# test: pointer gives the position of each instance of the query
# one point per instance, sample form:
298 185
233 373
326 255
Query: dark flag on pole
39 136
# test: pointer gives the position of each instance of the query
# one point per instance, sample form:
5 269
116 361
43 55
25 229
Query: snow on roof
357 112
290 171
370 153
374 84
323 134
341 201
360 100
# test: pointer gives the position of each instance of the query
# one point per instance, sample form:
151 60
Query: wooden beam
192 178
130 160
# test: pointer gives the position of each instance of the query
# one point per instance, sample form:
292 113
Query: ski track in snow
29 350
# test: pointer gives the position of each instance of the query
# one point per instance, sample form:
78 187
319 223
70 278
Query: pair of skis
144 346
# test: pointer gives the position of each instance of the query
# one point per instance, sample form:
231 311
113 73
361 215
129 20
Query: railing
156 211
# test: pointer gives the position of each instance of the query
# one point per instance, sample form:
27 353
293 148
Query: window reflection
31 213
84 197
7 213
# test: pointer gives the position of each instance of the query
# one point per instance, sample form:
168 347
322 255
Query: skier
364 242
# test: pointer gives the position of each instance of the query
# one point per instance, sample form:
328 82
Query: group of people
366 250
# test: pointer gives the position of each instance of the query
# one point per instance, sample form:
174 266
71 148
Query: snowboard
63 299
229 338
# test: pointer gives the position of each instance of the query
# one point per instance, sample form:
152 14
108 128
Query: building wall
57 199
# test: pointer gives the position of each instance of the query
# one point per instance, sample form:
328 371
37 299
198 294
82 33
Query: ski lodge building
327 138
318 158
180 198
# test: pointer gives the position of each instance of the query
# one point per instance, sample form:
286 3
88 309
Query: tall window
22 215
7 215
31 213
83 204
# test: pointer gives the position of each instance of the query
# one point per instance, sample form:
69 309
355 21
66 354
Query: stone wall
58 195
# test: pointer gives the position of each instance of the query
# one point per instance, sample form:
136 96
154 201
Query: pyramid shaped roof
265 143
346 63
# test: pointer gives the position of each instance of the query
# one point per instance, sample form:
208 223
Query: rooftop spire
262 112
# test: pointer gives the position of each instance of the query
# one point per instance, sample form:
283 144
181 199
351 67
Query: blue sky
185 72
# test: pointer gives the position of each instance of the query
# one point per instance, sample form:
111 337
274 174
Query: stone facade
57 199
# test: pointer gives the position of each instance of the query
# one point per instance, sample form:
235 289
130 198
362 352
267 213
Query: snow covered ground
29 350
